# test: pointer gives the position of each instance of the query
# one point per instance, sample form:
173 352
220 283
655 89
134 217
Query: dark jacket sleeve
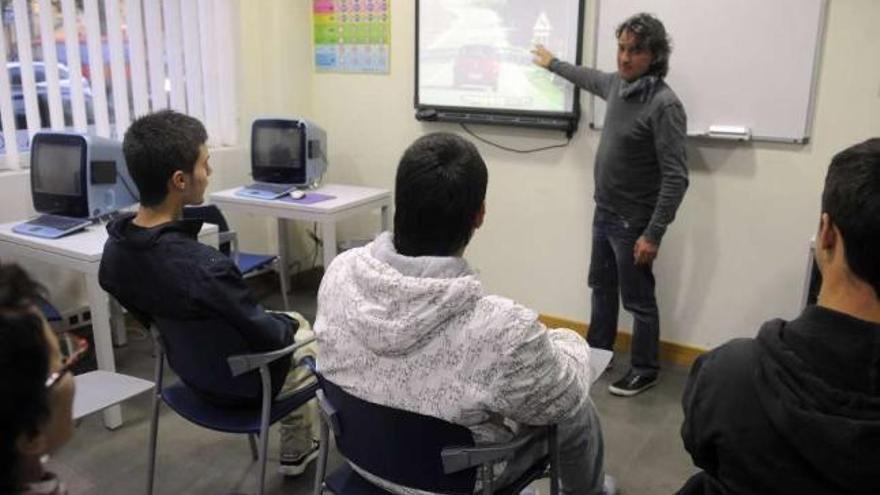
697 431
223 292
589 79
670 131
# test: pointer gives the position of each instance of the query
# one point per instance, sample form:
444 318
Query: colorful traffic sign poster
352 36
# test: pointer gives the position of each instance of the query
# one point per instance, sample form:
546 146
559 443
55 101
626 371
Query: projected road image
475 53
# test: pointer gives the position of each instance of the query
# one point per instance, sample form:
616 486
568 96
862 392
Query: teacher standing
641 177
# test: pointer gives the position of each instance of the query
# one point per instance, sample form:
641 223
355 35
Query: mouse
297 194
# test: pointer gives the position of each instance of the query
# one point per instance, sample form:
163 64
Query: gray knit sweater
640 171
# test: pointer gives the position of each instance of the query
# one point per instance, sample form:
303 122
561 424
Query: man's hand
543 56
644 251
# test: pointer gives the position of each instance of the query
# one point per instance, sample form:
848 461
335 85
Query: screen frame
76 206
280 175
500 116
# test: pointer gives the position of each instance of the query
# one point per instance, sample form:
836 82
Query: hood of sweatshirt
819 383
122 230
400 303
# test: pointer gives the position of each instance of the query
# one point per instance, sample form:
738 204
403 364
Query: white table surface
599 359
98 390
81 252
348 201
345 198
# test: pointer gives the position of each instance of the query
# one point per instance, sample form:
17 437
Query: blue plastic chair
249 264
416 451
220 369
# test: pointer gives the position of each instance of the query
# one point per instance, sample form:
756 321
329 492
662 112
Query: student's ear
481 215
178 180
31 445
827 238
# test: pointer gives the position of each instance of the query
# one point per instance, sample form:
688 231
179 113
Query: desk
81 252
348 201
98 390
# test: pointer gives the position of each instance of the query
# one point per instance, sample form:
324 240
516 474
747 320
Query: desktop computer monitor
79 175
288 151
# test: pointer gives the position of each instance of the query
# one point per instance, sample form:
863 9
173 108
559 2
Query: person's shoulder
506 318
344 267
732 361
665 96
200 257
209 256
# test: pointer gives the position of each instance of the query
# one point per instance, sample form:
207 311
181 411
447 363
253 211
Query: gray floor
642 443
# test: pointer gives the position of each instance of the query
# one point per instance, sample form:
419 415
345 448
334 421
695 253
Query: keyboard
51 226
265 190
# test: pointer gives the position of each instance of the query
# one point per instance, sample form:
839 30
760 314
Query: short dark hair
651 34
439 190
158 144
24 366
852 200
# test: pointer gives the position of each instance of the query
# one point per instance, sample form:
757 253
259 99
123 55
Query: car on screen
477 65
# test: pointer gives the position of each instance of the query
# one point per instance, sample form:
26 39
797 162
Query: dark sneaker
296 466
632 384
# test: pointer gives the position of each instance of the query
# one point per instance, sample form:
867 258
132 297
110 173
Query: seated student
404 322
37 390
797 409
155 267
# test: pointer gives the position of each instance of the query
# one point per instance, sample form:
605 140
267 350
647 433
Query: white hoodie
419 334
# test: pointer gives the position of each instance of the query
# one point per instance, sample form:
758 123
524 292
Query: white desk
348 201
98 390
81 252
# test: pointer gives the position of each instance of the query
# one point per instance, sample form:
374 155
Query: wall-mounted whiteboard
750 64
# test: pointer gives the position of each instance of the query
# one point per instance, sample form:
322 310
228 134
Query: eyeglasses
76 347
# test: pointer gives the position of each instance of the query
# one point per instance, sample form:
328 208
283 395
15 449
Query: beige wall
734 257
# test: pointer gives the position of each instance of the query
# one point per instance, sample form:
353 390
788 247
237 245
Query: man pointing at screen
641 177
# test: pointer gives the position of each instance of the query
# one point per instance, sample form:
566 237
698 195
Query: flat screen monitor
473 61
58 175
278 151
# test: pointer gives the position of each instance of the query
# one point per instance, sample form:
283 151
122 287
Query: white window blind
95 65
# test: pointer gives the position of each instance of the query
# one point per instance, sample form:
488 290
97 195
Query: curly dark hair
651 34
24 364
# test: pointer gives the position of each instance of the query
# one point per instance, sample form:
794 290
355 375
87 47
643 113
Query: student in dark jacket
797 409
154 265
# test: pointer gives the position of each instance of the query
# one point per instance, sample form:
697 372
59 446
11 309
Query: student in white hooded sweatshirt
404 322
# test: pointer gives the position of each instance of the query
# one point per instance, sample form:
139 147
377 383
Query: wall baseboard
669 351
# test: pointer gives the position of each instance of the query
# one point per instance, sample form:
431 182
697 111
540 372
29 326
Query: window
93 65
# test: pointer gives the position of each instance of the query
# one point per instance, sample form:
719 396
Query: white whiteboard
744 63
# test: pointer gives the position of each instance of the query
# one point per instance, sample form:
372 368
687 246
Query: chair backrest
209 214
197 350
399 446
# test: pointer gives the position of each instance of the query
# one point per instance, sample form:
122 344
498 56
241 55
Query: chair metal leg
487 475
252 441
553 447
323 451
264 425
154 420
154 433
283 262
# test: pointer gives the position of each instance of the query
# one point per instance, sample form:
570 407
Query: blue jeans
581 454
615 276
